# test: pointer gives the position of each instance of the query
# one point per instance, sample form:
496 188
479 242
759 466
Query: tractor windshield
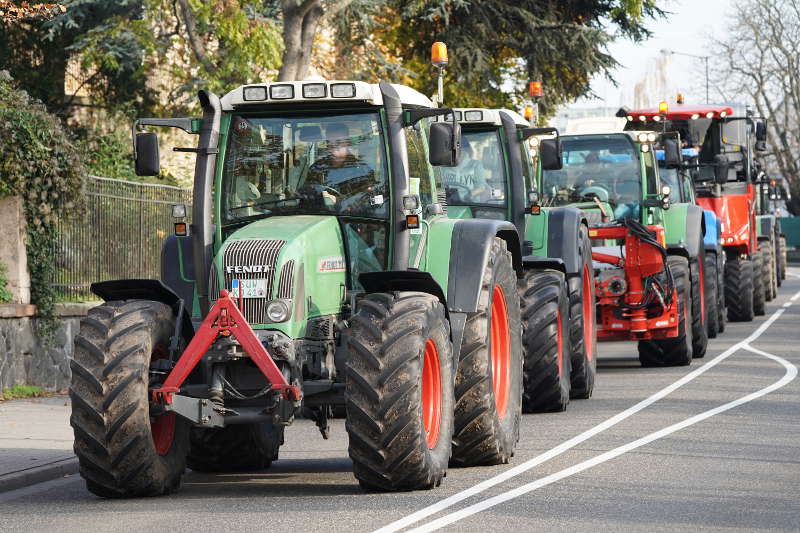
479 179
599 167
320 165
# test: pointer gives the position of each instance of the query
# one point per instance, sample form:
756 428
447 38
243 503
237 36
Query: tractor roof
478 115
678 112
283 93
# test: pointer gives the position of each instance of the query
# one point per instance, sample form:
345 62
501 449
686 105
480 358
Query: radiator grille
249 253
286 284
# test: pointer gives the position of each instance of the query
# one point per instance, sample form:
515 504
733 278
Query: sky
686 30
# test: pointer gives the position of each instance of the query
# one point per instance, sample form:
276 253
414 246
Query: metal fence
119 237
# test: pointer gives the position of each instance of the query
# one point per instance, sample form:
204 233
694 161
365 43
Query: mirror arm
186 124
526 133
412 116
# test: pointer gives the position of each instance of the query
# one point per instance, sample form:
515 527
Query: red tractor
727 138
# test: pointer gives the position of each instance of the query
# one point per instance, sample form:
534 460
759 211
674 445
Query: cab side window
418 164
650 171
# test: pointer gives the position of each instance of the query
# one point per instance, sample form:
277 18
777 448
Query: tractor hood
299 259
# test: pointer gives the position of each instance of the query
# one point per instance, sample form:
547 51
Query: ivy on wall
40 164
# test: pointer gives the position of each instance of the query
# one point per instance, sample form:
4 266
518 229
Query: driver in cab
338 167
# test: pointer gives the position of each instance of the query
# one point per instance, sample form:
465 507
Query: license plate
250 288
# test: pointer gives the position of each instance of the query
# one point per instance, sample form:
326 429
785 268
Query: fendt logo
247 269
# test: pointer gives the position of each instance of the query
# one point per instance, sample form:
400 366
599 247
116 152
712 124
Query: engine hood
297 258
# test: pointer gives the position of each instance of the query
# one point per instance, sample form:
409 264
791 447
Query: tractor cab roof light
663 108
723 114
642 118
472 116
343 90
314 90
254 94
695 116
710 114
439 54
281 92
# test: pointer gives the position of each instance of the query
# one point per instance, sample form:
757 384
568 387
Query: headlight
281 92
254 93
278 310
314 90
179 210
343 90
473 115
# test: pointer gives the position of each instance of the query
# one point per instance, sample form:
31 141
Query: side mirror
721 166
761 146
147 161
672 153
761 131
445 144
551 154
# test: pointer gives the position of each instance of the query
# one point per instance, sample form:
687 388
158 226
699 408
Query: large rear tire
699 308
123 452
544 304
234 448
488 389
739 289
770 271
582 324
759 285
712 298
399 392
676 351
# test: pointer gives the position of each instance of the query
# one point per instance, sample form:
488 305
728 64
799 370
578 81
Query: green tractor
648 255
768 232
494 181
320 270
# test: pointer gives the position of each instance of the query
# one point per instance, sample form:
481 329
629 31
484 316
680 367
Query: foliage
496 46
40 164
21 391
5 295
759 62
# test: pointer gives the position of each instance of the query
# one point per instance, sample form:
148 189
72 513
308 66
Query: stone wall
23 358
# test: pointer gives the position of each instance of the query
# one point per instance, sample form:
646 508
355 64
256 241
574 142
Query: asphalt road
708 447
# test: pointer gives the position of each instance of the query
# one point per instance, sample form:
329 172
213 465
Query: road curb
39 474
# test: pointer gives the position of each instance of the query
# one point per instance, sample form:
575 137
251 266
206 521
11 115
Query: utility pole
704 58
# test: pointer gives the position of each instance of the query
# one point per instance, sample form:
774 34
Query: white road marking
574 441
787 304
791 373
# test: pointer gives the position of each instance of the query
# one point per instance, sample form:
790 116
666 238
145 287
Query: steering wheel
462 188
601 193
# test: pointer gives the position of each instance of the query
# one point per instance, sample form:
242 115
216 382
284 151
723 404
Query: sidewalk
35 441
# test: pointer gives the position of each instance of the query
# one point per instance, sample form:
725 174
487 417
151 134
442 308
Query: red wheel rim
162 427
501 351
431 394
560 339
588 314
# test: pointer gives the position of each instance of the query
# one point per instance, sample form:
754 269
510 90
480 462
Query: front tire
781 259
712 299
544 303
699 308
739 289
399 392
124 452
759 285
675 351
234 448
488 389
582 325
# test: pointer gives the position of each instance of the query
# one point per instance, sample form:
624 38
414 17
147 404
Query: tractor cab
613 173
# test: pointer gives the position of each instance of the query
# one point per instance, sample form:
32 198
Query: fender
711 236
765 224
177 268
685 228
469 250
562 240
146 289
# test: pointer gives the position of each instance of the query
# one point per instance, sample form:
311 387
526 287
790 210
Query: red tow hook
225 318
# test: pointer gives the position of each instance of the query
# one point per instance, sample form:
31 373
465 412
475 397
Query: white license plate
250 288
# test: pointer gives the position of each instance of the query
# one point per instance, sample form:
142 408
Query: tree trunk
300 22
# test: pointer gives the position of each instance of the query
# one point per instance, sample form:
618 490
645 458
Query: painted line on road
578 439
791 373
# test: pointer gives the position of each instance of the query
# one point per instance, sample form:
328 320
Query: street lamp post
704 58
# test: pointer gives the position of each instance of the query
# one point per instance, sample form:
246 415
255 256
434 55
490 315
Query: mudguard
469 250
765 225
146 289
711 237
177 268
685 229
562 239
